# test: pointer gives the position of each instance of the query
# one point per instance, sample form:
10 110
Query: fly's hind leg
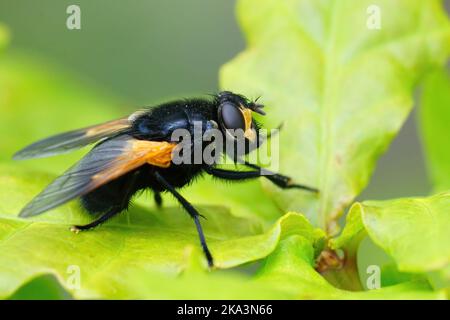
114 210
111 213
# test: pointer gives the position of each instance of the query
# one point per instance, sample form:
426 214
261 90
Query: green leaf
288 273
45 287
144 239
390 275
343 90
415 232
434 118
353 232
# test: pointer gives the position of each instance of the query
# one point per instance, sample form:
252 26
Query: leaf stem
340 272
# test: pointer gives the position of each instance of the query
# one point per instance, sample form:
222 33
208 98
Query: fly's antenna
257 107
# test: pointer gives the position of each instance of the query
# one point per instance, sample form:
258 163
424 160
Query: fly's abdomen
114 195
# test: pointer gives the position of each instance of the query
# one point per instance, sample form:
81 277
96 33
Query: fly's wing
108 160
68 141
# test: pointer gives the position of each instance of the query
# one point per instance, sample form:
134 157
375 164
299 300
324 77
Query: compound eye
232 117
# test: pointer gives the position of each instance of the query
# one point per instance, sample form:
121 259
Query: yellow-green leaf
144 239
342 88
415 232
434 118
288 273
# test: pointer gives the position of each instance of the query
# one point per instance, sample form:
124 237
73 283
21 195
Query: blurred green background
144 52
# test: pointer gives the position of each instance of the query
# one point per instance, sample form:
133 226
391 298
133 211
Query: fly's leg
112 212
192 212
280 180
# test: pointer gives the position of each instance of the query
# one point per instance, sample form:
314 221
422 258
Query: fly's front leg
280 180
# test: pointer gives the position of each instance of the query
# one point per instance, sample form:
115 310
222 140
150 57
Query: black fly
136 153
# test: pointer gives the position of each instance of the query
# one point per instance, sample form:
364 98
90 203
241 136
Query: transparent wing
69 141
108 160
